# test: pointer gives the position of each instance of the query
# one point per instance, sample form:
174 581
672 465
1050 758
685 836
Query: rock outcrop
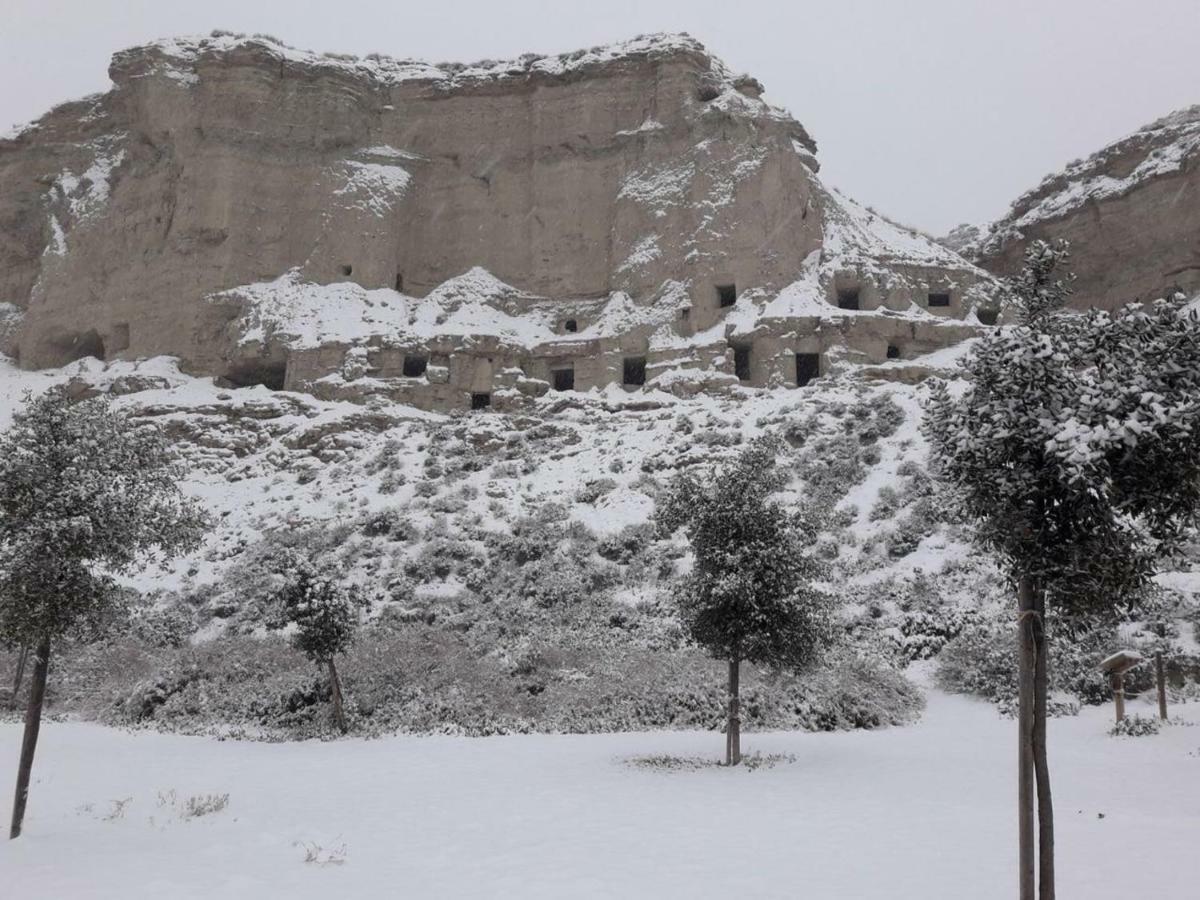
1131 212
452 235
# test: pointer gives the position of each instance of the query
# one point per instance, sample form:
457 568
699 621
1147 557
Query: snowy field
920 812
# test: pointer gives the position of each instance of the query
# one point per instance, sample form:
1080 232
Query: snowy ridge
854 232
180 55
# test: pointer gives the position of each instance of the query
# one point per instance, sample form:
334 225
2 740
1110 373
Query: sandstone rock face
382 227
1131 212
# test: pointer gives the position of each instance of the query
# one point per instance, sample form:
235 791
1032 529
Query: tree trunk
339 715
1045 802
33 724
733 733
1025 704
20 676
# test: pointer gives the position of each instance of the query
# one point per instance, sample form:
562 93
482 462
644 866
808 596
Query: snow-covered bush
1136 726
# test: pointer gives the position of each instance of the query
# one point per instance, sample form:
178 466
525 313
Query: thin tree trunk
1045 802
339 716
1025 767
20 676
733 742
33 724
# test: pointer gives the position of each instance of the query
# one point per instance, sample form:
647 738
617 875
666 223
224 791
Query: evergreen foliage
1076 446
750 594
85 494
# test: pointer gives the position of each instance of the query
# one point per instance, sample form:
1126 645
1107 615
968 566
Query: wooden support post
1160 675
1118 687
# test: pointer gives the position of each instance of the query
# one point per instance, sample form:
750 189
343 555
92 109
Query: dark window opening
347 269
415 366
808 367
939 299
564 379
726 295
848 299
684 313
893 352
987 316
741 363
706 93
481 401
635 370
400 282
570 326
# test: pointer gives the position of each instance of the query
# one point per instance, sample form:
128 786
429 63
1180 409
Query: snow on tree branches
85 493
325 616
1076 445
750 594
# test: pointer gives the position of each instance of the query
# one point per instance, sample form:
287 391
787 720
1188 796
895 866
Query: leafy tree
325 615
750 593
1076 450
85 494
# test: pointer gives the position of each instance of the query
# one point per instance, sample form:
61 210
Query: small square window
635 370
893 352
685 313
570 326
564 379
848 299
481 401
939 298
726 295
414 366
347 270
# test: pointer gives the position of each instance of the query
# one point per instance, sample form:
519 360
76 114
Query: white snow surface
904 814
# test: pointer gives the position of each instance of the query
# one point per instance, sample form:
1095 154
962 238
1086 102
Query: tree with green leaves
1075 449
86 494
750 595
325 617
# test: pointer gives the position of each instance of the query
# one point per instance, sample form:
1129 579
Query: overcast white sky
934 111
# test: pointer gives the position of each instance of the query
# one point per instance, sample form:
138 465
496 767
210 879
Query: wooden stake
1118 687
1160 676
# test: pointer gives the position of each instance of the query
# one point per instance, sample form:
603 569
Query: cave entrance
808 367
741 362
564 379
939 298
634 370
415 366
726 295
481 401
269 373
848 298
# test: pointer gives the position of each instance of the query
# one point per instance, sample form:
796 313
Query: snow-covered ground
920 812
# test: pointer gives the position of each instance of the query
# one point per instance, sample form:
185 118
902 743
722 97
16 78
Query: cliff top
183 53
1162 147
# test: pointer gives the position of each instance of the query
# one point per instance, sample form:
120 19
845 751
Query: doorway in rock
808 367
564 379
634 371
481 401
741 362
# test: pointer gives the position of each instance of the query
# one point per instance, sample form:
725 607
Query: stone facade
225 174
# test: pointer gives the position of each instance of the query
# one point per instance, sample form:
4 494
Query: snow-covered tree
325 616
85 494
1075 448
750 594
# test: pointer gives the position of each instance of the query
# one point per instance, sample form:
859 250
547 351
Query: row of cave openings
808 368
